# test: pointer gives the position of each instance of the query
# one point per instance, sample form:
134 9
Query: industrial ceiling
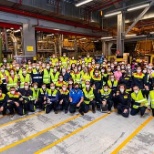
89 15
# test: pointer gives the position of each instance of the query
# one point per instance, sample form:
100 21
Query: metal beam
139 17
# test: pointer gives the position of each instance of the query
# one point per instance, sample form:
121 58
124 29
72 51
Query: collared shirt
76 95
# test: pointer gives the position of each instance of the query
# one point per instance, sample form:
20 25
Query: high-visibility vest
88 94
151 95
35 93
11 96
114 85
73 61
62 92
12 82
138 76
139 99
96 78
2 97
54 77
105 94
52 93
64 60
60 83
76 77
23 79
54 61
88 60
46 76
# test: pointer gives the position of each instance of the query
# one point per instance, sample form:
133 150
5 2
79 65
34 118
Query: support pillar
104 48
29 44
120 30
0 47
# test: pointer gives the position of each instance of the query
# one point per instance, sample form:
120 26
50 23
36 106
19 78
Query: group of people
69 84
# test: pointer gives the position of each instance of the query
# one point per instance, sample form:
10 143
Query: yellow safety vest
60 83
138 76
46 76
11 96
88 60
89 94
96 78
151 95
35 93
23 79
54 77
64 92
12 82
52 93
115 83
138 98
54 61
105 94
76 77
2 97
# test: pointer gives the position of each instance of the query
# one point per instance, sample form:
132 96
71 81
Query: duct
14 40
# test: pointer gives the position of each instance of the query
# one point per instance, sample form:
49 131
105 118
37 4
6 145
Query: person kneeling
76 99
123 101
88 98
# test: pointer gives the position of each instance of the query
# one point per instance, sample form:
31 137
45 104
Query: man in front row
76 99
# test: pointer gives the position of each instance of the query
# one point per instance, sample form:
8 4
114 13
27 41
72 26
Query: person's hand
1 109
125 111
78 105
61 101
17 104
21 99
104 102
44 102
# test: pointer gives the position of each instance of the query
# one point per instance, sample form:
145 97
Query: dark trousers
136 111
108 105
53 105
86 107
28 106
121 109
72 108
152 112
12 108
64 105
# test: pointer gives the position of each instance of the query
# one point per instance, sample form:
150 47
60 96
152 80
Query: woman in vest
2 102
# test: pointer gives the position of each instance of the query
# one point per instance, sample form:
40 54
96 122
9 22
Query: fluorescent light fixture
83 2
151 32
16 31
130 35
50 35
107 37
56 29
112 14
137 7
82 38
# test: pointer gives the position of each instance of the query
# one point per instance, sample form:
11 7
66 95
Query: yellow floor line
131 136
21 119
71 134
38 133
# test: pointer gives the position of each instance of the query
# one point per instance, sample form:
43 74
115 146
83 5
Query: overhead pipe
105 5
48 18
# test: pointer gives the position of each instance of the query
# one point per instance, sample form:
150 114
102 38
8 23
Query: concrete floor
97 133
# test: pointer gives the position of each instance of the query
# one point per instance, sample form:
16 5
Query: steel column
120 41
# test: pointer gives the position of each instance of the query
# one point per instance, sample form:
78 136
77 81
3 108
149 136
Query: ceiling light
151 32
56 29
16 31
107 37
130 35
112 14
83 2
137 7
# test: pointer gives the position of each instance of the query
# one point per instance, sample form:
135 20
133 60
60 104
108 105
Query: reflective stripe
141 100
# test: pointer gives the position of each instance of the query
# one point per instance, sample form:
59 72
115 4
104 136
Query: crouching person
89 98
64 98
52 99
76 99
27 102
139 101
2 102
105 99
124 101
151 97
14 100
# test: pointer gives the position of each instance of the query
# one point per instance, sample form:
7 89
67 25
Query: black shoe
93 111
56 112
82 113
66 111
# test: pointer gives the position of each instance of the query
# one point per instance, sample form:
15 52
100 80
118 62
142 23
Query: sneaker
82 113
